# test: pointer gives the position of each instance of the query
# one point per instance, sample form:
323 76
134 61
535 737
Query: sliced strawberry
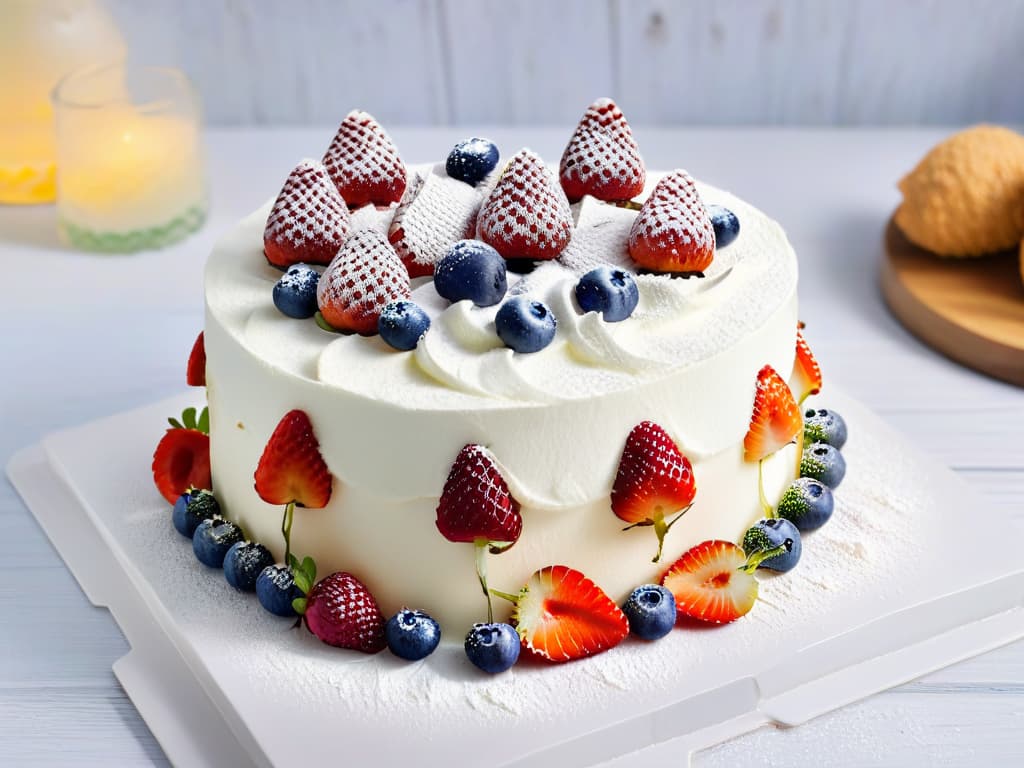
526 215
309 220
341 612
291 469
562 615
673 232
475 503
776 419
805 380
708 584
195 371
363 162
602 158
364 277
182 461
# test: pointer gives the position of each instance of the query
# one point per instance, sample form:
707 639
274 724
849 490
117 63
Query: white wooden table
85 336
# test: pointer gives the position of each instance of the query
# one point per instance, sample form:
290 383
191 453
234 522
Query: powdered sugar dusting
602 158
673 230
309 221
364 163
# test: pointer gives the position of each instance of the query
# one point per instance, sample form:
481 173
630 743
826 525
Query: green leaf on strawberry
192 419
299 604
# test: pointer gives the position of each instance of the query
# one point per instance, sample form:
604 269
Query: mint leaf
189 417
299 604
302 582
204 421
309 568
293 562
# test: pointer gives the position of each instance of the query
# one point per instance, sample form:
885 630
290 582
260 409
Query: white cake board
883 594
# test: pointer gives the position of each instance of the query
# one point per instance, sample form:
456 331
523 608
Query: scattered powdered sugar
602 158
364 163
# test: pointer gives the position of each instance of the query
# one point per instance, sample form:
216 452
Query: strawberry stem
757 558
629 205
286 529
481 572
769 511
505 595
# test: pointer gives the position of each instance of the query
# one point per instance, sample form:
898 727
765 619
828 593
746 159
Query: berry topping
341 612
805 380
672 232
195 371
276 590
212 540
191 508
525 325
181 460
471 270
472 160
291 469
602 158
476 503
244 562
726 224
412 635
402 324
773 543
363 162
807 503
562 615
608 290
709 583
654 481
776 417
364 277
651 611
295 292
824 426
492 647
823 462
527 214
309 220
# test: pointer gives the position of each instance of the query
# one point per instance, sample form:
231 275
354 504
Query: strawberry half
602 158
341 612
309 220
291 469
562 615
527 214
776 419
364 277
805 380
182 457
363 162
654 480
476 504
673 232
195 371
708 583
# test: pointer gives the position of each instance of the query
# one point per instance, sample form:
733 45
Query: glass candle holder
129 158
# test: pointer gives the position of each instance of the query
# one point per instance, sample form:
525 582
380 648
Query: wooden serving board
971 310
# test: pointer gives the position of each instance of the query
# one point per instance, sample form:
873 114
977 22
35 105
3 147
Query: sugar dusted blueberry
402 324
471 270
822 425
192 508
609 290
472 160
651 611
807 503
276 589
212 540
823 462
773 543
295 292
412 635
492 647
525 325
244 562
726 224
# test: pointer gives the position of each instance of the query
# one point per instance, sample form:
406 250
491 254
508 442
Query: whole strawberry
182 457
364 164
673 232
309 220
341 612
602 158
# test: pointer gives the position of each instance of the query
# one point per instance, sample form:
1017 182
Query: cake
693 374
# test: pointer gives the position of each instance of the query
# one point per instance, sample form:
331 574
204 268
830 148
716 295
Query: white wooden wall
477 62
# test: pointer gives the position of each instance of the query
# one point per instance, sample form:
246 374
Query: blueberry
244 562
727 226
608 290
412 635
471 270
807 503
824 426
525 325
295 292
401 324
651 611
275 589
471 160
188 514
492 647
823 462
770 534
212 540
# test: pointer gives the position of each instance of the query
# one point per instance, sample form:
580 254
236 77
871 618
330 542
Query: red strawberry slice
602 158
527 214
805 380
776 419
562 615
309 220
475 503
654 480
708 584
291 469
195 371
364 277
364 163
673 232
181 461
341 612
